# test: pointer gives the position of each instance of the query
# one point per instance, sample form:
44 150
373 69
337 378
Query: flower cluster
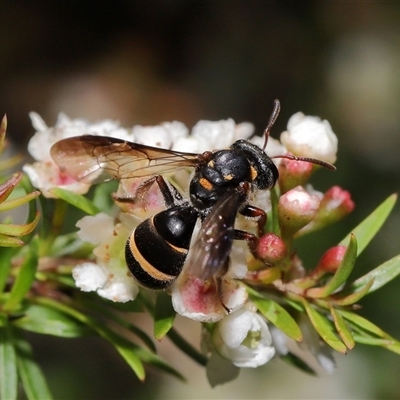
267 297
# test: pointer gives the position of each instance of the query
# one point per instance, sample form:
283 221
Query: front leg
255 212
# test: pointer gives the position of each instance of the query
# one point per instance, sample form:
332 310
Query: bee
220 189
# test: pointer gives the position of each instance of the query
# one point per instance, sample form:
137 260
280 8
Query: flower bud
310 137
296 209
335 204
293 173
331 259
271 248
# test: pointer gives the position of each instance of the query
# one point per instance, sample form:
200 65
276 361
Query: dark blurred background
144 62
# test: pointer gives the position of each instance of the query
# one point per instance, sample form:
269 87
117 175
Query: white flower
244 338
109 275
310 137
44 173
163 135
212 135
201 300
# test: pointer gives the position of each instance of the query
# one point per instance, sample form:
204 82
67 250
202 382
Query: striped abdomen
156 250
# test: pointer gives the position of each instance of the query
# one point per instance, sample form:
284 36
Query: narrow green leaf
6 255
368 228
186 347
342 328
342 273
274 227
296 361
76 200
124 347
324 327
31 375
278 316
380 275
346 300
373 341
154 360
8 366
3 130
164 315
368 333
363 323
25 278
8 186
14 203
9 241
19 229
108 311
48 321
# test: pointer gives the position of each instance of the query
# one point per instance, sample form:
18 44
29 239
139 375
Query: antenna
271 122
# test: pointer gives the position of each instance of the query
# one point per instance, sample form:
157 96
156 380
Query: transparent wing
96 159
211 249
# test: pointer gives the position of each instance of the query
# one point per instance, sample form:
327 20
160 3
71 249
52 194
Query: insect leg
169 192
255 212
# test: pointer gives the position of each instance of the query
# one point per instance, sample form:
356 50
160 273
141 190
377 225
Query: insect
223 180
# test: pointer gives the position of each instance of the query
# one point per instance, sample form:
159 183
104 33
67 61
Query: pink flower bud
293 173
271 248
336 203
331 259
296 209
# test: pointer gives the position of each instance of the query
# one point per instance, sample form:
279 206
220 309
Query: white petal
95 229
89 276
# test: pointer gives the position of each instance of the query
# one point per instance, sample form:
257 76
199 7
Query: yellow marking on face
206 184
228 177
211 163
253 173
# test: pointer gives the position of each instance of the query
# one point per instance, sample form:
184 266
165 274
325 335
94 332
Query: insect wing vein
213 244
96 159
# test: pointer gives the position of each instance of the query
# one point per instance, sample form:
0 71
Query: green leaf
7 187
274 219
278 316
342 328
31 375
186 347
102 197
9 241
324 327
368 228
157 362
21 229
8 366
3 130
346 300
107 311
25 277
14 203
342 273
6 255
76 200
362 322
372 341
48 321
124 347
380 275
296 361
369 333
164 315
